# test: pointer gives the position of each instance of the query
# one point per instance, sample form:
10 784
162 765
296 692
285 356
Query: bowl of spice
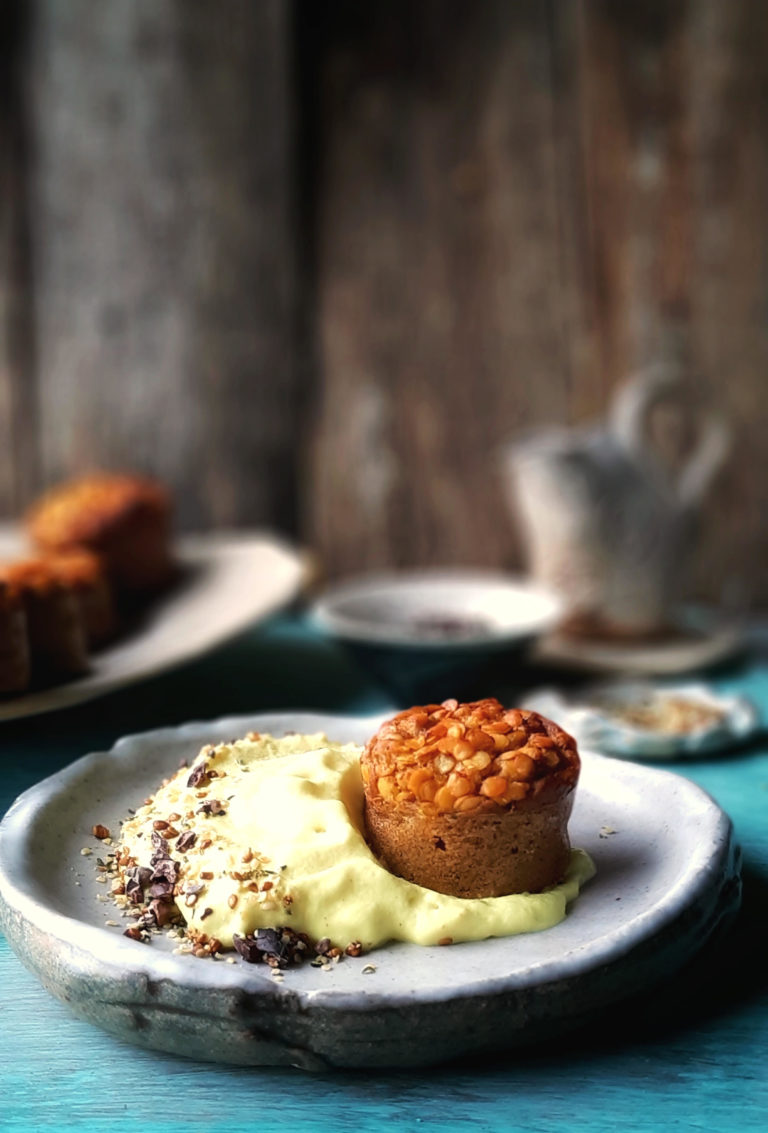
432 633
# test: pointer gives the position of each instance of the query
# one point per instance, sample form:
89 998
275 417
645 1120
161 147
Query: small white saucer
588 716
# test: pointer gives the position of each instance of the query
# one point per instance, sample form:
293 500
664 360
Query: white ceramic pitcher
606 520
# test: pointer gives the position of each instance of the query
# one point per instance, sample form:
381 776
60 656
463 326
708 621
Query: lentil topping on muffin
471 799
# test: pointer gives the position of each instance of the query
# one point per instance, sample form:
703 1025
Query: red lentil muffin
14 641
123 519
84 574
57 636
472 800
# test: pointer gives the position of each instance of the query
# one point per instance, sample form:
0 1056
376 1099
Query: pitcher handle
627 421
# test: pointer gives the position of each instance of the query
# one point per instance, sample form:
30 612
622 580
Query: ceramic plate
228 582
667 877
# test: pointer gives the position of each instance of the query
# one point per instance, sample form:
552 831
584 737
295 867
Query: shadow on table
726 975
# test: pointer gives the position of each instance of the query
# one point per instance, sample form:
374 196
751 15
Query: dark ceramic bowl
430 634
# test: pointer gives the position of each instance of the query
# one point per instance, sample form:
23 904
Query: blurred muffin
55 625
83 573
123 519
472 800
14 641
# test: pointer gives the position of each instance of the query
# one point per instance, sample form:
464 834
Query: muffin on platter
473 799
124 519
84 574
14 641
54 620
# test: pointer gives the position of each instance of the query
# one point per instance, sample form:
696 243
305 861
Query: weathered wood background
313 262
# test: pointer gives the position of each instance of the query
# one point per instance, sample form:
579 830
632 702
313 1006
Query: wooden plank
439 294
164 258
18 433
728 83
674 120
520 205
512 206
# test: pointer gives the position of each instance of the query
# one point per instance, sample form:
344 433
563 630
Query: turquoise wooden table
692 1056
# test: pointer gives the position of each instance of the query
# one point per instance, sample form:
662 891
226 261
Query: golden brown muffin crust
31 576
87 510
480 854
78 569
461 758
124 519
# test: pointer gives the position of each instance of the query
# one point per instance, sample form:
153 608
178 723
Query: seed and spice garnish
166 889
150 895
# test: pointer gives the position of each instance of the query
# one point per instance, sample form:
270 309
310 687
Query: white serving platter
228 582
667 879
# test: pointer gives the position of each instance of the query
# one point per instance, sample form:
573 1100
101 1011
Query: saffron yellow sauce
278 840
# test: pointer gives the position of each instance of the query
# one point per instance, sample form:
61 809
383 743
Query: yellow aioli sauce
292 834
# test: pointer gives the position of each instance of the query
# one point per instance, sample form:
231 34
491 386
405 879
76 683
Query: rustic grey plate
667 877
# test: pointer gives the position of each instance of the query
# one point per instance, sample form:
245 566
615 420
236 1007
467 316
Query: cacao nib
198 776
275 945
134 891
161 911
160 846
246 946
212 806
135 881
279 948
160 889
186 841
166 870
